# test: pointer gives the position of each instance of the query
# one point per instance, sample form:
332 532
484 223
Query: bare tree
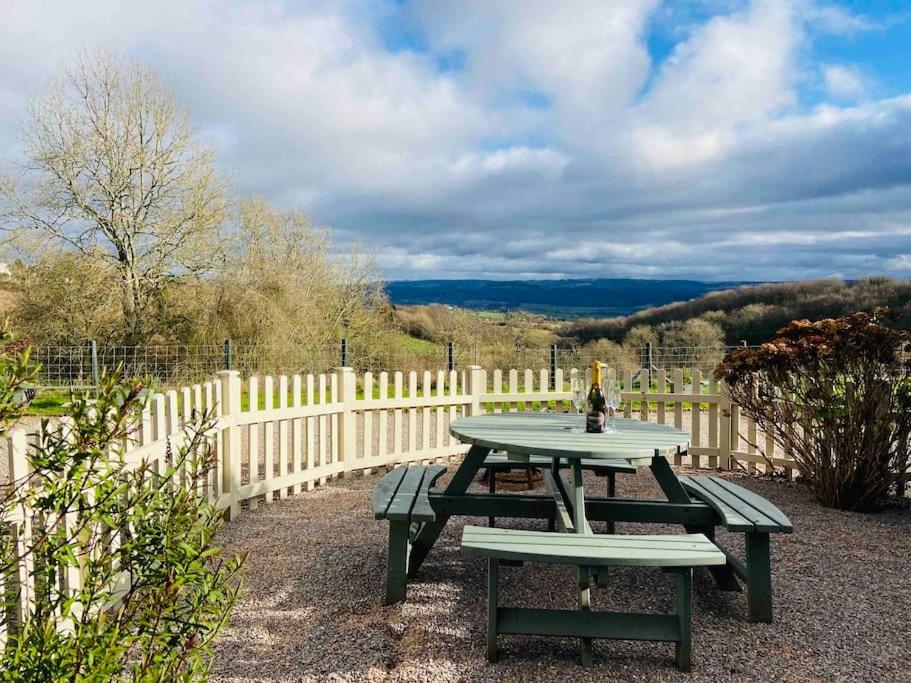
114 172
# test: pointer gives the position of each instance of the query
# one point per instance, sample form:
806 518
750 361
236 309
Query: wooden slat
738 505
551 435
730 516
383 420
400 507
757 502
685 550
422 511
384 491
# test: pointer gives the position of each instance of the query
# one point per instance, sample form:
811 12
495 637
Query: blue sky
715 139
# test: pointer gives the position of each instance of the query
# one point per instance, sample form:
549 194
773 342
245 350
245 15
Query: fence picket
296 433
368 422
323 442
269 434
253 436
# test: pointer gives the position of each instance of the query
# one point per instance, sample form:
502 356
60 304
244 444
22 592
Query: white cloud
843 81
555 130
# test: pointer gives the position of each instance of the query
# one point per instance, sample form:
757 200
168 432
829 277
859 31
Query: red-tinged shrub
836 397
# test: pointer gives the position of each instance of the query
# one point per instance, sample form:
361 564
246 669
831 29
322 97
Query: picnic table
418 513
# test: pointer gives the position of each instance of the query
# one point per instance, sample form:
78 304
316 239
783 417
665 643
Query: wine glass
613 402
579 395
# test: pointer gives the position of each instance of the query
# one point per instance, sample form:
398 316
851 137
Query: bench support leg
611 493
491 488
458 485
759 577
724 574
493 571
685 617
396 580
585 604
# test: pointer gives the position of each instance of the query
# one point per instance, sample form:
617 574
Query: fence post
553 367
450 356
96 377
649 361
229 411
229 355
725 429
474 389
347 423
344 354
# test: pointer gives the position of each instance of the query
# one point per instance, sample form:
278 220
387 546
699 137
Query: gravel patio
310 608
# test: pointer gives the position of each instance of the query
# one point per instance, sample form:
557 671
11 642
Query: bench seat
401 497
741 510
680 550
675 553
402 494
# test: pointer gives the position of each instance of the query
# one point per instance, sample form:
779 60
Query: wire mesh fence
165 365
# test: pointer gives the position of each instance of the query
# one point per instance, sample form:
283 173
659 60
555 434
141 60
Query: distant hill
754 312
559 298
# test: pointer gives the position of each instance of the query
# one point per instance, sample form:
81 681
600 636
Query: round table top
552 435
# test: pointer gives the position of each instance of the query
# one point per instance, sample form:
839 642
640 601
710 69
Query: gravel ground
310 608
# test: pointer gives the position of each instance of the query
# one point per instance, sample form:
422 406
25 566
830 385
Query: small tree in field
115 173
835 396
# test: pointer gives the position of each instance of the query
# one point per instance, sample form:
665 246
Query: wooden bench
401 497
741 510
602 467
678 554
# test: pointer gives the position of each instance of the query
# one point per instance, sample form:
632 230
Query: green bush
836 398
129 580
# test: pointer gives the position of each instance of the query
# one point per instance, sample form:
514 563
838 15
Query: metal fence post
96 377
229 355
344 356
649 360
450 356
553 367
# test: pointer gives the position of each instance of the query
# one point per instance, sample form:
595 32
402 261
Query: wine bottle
597 404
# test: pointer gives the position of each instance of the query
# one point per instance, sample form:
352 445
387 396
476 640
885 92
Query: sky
705 139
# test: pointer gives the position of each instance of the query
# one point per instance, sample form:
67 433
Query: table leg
724 575
491 488
585 573
458 485
667 480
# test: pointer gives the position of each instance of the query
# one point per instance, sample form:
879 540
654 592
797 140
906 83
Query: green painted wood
759 577
493 571
458 485
577 623
551 435
628 551
684 613
562 517
502 461
730 517
422 510
738 513
384 491
400 507
580 523
758 503
397 563
598 509
667 479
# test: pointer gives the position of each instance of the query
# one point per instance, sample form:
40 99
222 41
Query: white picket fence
275 437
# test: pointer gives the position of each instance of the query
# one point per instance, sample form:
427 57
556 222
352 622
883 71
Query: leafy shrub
129 581
835 396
